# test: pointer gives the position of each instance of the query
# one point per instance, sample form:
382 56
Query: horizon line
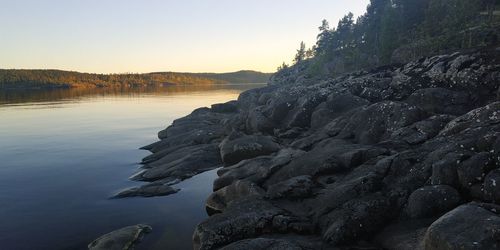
139 73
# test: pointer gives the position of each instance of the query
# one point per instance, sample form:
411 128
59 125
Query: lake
63 153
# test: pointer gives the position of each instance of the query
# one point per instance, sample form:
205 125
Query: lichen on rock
345 161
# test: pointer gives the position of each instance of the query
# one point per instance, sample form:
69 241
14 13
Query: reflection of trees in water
22 96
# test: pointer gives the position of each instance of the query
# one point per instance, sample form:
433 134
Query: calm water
64 153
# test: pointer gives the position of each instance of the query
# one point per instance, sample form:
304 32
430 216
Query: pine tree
323 38
301 53
282 66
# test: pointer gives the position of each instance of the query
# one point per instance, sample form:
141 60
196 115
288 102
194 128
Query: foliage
394 31
58 79
283 66
301 53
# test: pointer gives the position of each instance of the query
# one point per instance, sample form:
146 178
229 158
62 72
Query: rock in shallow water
148 190
122 239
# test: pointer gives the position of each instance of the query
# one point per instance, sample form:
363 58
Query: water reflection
64 152
53 95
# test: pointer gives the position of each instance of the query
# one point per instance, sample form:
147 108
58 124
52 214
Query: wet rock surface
148 190
122 239
369 160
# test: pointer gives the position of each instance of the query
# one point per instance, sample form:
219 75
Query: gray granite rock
466 227
122 239
432 201
338 160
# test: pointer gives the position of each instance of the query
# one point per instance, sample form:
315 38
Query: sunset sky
117 36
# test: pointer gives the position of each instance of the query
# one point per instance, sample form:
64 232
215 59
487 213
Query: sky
118 36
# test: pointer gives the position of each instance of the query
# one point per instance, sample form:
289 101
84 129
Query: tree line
396 31
60 79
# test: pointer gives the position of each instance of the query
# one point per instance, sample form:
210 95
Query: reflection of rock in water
121 239
349 160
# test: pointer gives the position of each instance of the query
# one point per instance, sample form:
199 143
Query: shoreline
405 153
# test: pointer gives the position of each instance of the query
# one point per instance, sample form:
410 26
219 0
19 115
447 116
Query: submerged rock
122 239
148 190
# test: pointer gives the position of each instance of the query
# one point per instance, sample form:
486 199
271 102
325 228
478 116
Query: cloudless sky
116 36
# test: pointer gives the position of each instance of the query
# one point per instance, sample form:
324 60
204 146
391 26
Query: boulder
473 170
442 101
335 105
492 186
328 156
466 227
300 116
422 131
245 218
404 235
294 188
234 150
480 117
258 122
189 129
356 218
255 170
122 239
432 201
220 199
278 242
228 107
444 172
262 244
182 163
378 121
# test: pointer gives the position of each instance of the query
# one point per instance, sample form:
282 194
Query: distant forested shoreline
49 79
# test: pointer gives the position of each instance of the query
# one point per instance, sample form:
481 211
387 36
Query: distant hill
44 79
243 76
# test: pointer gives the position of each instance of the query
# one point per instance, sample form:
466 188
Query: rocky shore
399 157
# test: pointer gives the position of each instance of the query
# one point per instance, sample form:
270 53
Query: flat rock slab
245 147
121 239
149 190
243 219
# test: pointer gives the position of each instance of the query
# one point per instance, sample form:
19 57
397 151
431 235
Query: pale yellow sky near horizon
183 36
